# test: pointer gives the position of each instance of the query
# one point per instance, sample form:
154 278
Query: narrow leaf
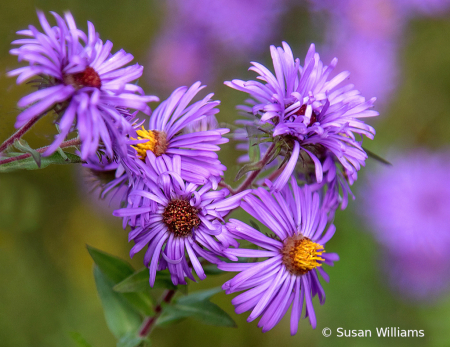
253 145
139 282
377 157
247 168
211 269
23 146
30 163
200 295
121 318
203 311
274 153
254 225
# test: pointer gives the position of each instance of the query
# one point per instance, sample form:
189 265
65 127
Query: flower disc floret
156 142
180 217
301 255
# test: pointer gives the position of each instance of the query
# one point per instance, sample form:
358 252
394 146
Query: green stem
68 143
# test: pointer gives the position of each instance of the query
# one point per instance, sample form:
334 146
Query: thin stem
276 173
249 180
149 322
65 144
19 133
224 185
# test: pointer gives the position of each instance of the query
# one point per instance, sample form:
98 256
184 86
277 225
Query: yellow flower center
301 255
157 142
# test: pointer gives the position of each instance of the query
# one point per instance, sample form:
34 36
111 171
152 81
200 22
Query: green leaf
274 154
201 295
203 311
253 144
247 168
211 269
254 151
79 340
139 282
132 340
169 316
30 163
377 157
117 270
23 146
164 280
120 316
254 225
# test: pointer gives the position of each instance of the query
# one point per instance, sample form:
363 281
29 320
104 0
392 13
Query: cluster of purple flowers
172 172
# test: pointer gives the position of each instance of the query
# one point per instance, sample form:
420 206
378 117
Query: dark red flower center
87 78
180 217
302 111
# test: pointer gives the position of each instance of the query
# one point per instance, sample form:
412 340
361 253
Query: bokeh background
397 50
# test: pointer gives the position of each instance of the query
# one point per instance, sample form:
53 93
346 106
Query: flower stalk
66 144
150 321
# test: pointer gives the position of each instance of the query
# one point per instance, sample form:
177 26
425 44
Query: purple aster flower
174 218
407 208
289 275
199 162
304 112
81 80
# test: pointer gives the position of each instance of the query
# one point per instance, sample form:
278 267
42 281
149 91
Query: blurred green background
47 217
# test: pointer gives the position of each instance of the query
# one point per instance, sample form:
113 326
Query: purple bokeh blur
407 208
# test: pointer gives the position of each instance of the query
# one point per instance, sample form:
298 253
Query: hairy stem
19 133
65 144
249 180
149 322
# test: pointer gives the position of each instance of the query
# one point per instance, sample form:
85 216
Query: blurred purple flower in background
201 37
179 57
425 7
407 207
367 37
